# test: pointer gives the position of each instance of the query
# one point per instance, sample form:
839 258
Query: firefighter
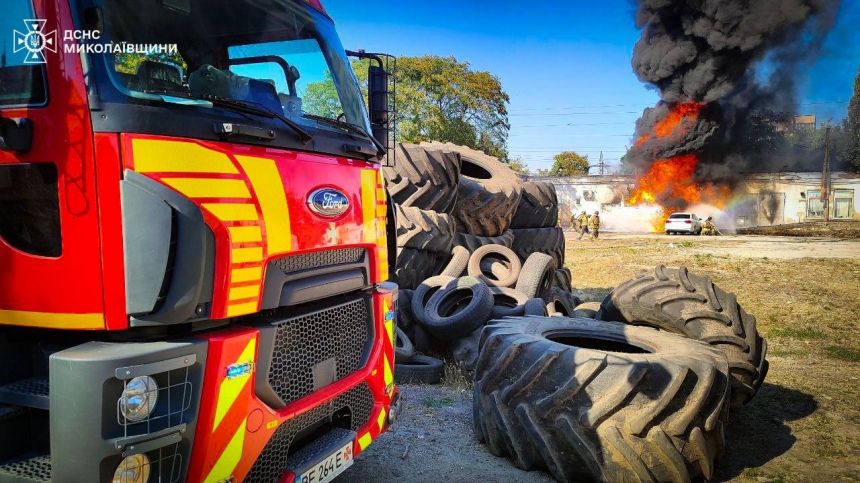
594 225
708 227
583 224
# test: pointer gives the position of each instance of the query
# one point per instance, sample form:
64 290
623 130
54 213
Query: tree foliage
852 127
321 99
127 63
519 166
569 163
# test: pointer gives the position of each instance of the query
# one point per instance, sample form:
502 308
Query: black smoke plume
741 59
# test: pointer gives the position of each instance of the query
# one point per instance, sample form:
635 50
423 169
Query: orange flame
666 126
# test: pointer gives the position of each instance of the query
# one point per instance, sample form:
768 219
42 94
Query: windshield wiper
380 149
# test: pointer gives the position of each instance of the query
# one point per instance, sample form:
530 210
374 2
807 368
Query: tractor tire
588 310
559 302
424 230
405 319
674 300
563 279
458 263
597 401
539 240
403 348
465 353
458 309
538 207
414 266
424 292
535 306
472 242
421 370
507 302
495 253
536 275
423 178
488 195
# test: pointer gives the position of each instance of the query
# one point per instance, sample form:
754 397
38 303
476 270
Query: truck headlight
138 398
132 469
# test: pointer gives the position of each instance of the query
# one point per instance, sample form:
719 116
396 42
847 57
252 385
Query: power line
644 105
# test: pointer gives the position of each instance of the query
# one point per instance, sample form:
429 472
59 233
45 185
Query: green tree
519 166
569 163
127 63
320 98
852 127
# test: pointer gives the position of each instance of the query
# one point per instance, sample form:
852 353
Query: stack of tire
641 393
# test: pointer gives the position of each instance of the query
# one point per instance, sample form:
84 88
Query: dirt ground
804 424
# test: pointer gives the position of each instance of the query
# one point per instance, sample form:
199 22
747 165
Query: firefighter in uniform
583 224
594 225
708 227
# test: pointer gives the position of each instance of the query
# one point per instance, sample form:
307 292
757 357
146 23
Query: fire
666 126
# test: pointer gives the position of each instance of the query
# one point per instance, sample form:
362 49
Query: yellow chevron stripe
230 388
246 308
381 419
233 211
364 441
387 375
229 459
209 187
245 255
52 320
267 184
239 293
238 275
155 156
368 204
245 234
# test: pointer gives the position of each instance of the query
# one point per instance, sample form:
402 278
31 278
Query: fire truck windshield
280 55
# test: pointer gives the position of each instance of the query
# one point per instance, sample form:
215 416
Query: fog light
139 398
132 469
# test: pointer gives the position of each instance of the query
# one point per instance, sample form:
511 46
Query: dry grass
833 229
804 425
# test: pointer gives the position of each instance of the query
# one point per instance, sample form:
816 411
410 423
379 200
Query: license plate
329 467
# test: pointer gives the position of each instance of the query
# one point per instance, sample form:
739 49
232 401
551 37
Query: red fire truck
193 250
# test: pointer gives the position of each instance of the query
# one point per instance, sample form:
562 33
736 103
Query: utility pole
825 175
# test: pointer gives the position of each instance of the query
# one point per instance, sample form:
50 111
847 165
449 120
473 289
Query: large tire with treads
539 240
538 206
600 401
563 279
676 301
488 194
423 229
424 178
473 242
414 266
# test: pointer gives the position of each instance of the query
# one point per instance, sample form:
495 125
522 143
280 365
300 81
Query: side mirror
377 99
16 135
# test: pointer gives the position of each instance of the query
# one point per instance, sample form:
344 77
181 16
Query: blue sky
565 64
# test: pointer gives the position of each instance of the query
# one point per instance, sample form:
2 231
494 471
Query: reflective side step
29 469
31 393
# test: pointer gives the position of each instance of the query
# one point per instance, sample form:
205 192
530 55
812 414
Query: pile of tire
473 242
641 392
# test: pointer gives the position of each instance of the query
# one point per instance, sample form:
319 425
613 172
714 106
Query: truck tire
598 401
424 292
405 319
458 309
424 230
538 206
473 242
560 302
403 348
587 310
488 194
495 253
563 279
539 240
424 178
674 300
458 263
465 353
420 370
414 266
507 302
535 306
536 275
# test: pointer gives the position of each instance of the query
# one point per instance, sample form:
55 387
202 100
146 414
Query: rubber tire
497 269
596 415
404 351
405 319
423 178
424 230
465 353
563 279
472 242
559 302
458 263
538 206
674 300
488 194
535 306
507 302
540 240
587 310
537 275
414 266
442 322
495 252
424 292
424 342
421 369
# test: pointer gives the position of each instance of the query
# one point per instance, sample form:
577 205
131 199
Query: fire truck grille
272 463
306 261
333 338
37 468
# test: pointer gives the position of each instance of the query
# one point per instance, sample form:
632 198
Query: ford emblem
328 202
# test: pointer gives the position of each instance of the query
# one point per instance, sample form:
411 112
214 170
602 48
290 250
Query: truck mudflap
242 438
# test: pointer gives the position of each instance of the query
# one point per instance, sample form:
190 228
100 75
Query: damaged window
814 204
843 204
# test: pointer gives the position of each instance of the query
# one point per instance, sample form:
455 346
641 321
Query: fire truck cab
193 249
